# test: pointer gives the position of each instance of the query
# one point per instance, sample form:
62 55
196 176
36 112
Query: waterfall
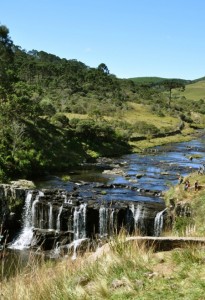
138 216
25 237
50 216
79 221
79 228
29 213
34 212
55 253
65 198
158 223
112 225
103 221
58 224
35 221
76 245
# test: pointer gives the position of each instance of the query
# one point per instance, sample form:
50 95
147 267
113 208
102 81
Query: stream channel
130 175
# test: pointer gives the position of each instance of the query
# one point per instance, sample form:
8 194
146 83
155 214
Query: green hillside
147 80
155 80
56 113
199 79
193 91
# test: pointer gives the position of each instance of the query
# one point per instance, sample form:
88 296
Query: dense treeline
38 90
35 88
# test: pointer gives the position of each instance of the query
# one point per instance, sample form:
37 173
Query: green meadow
193 91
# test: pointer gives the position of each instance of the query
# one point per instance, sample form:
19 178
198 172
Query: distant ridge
147 80
199 79
156 80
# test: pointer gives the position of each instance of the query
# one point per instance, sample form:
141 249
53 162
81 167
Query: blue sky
134 38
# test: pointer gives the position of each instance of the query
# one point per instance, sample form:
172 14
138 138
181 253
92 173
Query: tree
6 61
6 52
102 67
170 84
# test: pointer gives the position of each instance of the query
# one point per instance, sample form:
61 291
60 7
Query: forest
57 113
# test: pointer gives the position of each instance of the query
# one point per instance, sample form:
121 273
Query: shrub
60 120
145 128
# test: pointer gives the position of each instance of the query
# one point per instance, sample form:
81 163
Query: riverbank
186 135
195 199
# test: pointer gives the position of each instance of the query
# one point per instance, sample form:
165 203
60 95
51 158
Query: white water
33 212
103 221
58 224
65 198
34 209
158 222
112 225
25 237
79 222
138 216
75 244
55 253
50 216
79 226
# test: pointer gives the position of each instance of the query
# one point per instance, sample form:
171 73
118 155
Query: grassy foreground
120 270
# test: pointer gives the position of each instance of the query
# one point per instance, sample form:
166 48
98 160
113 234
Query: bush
60 120
186 118
145 128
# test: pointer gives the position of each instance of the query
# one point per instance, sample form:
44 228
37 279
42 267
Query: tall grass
124 270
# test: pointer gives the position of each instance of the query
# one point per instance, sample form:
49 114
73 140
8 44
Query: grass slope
193 91
141 112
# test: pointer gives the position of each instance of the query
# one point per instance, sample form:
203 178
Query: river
154 171
133 176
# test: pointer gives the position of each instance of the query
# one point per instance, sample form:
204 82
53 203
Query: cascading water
58 224
76 244
112 224
79 220
79 228
158 222
35 221
26 235
65 198
50 218
138 216
34 212
103 221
